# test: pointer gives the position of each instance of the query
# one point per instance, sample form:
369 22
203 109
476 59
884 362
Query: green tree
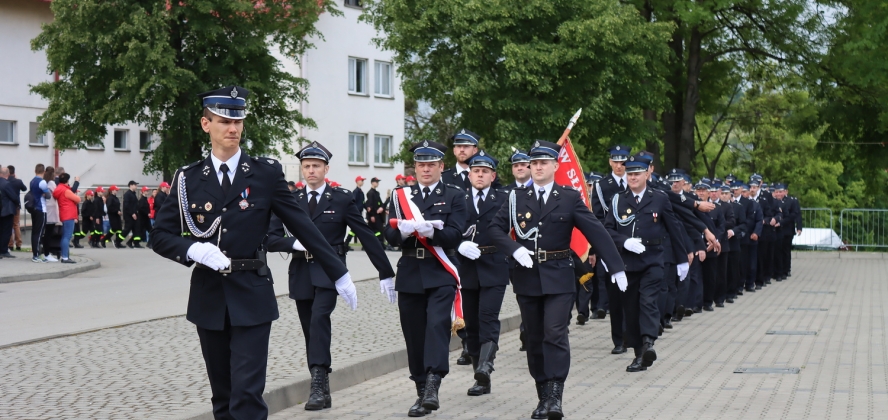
517 71
146 60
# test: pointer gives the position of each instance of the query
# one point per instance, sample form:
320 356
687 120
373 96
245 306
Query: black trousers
545 321
314 315
682 287
786 251
586 295
481 308
710 271
752 264
129 226
735 276
38 224
615 305
425 322
5 232
765 261
640 305
668 290
603 279
721 278
777 258
236 360
694 294
743 266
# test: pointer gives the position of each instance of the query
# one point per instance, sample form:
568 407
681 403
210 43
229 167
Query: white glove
209 255
407 227
387 287
522 256
425 229
683 271
620 280
346 289
634 245
469 250
297 246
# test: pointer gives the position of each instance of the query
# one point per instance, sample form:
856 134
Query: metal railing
864 228
818 230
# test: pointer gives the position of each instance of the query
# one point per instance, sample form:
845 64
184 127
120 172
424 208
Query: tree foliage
146 60
517 71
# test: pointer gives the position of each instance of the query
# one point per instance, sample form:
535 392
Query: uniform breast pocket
250 205
560 217
651 215
330 218
203 214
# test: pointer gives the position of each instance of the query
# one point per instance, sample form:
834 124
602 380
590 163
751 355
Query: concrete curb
296 392
86 265
839 255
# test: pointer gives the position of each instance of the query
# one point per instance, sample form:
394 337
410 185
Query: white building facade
354 98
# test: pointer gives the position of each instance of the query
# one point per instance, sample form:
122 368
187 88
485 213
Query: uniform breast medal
655 217
243 203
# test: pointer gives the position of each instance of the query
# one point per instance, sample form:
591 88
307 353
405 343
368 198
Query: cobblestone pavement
843 367
154 369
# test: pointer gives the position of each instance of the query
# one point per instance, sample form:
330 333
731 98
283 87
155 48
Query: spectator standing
131 216
87 218
8 199
375 210
114 215
39 192
52 233
67 204
143 210
358 194
18 186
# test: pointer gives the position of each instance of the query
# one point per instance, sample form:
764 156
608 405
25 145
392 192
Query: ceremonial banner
570 173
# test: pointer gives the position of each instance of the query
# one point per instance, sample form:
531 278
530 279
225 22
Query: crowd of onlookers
62 215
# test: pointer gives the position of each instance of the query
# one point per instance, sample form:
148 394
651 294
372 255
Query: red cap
299 184
327 180
410 178
164 185
359 178
100 189
113 188
89 192
144 188
399 177
334 184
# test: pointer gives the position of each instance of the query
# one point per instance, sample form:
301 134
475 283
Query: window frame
364 152
150 140
352 76
33 129
391 79
12 133
376 144
126 147
359 6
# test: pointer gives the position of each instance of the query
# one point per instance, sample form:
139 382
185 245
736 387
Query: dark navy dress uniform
460 178
315 292
484 279
426 290
604 190
546 291
233 310
649 219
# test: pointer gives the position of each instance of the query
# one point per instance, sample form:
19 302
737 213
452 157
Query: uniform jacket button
225 252
224 209
224 230
178 258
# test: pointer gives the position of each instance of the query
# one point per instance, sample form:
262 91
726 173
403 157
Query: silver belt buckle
226 270
541 256
308 255
420 253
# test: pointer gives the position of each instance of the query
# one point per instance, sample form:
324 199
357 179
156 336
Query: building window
357 76
120 139
96 145
382 154
383 79
354 3
7 132
33 138
357 148
145 140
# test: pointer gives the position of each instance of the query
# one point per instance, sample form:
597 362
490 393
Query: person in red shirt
68 202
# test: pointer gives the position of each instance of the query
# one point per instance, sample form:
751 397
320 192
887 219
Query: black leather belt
237 265
487 250
305 255
421 253
543 256
651 242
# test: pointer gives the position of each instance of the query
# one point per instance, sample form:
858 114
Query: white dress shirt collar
232 165
320 190
547 188
618 179
639 195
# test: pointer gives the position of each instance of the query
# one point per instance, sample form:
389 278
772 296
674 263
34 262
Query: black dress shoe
618 350
729 300
581 319
648 355
740 292
758 287
667 323
601 314
698 310
417 410
750 289
690 311
636 365
708 308
430 398
542 409
521 338
137 246
719 305
768 281
479 389
660 331
464 358
556 390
